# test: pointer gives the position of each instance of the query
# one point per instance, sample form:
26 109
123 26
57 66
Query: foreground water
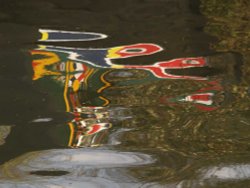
119 94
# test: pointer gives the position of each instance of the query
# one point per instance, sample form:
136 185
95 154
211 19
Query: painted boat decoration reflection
81 74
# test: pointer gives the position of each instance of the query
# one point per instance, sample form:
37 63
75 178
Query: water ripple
72 168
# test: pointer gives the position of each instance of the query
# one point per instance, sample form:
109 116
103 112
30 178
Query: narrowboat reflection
89 94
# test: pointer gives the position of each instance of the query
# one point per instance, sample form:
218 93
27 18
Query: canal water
132 93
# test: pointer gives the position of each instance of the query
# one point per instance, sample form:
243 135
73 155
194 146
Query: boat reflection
85 77
88 94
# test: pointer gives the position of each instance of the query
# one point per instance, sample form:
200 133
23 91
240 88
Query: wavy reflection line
107 84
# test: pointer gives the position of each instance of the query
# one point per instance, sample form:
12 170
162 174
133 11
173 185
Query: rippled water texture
79 167
134 93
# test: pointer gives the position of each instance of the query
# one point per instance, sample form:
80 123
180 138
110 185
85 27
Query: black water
156 140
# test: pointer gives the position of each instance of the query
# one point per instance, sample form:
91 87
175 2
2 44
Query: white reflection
213 175
85 167
230 172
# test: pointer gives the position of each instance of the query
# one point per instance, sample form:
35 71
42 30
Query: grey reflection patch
211 176
86 167
42 120
230 172
121 74
114 137
4 132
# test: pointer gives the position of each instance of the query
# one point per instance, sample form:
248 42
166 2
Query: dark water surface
80 114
